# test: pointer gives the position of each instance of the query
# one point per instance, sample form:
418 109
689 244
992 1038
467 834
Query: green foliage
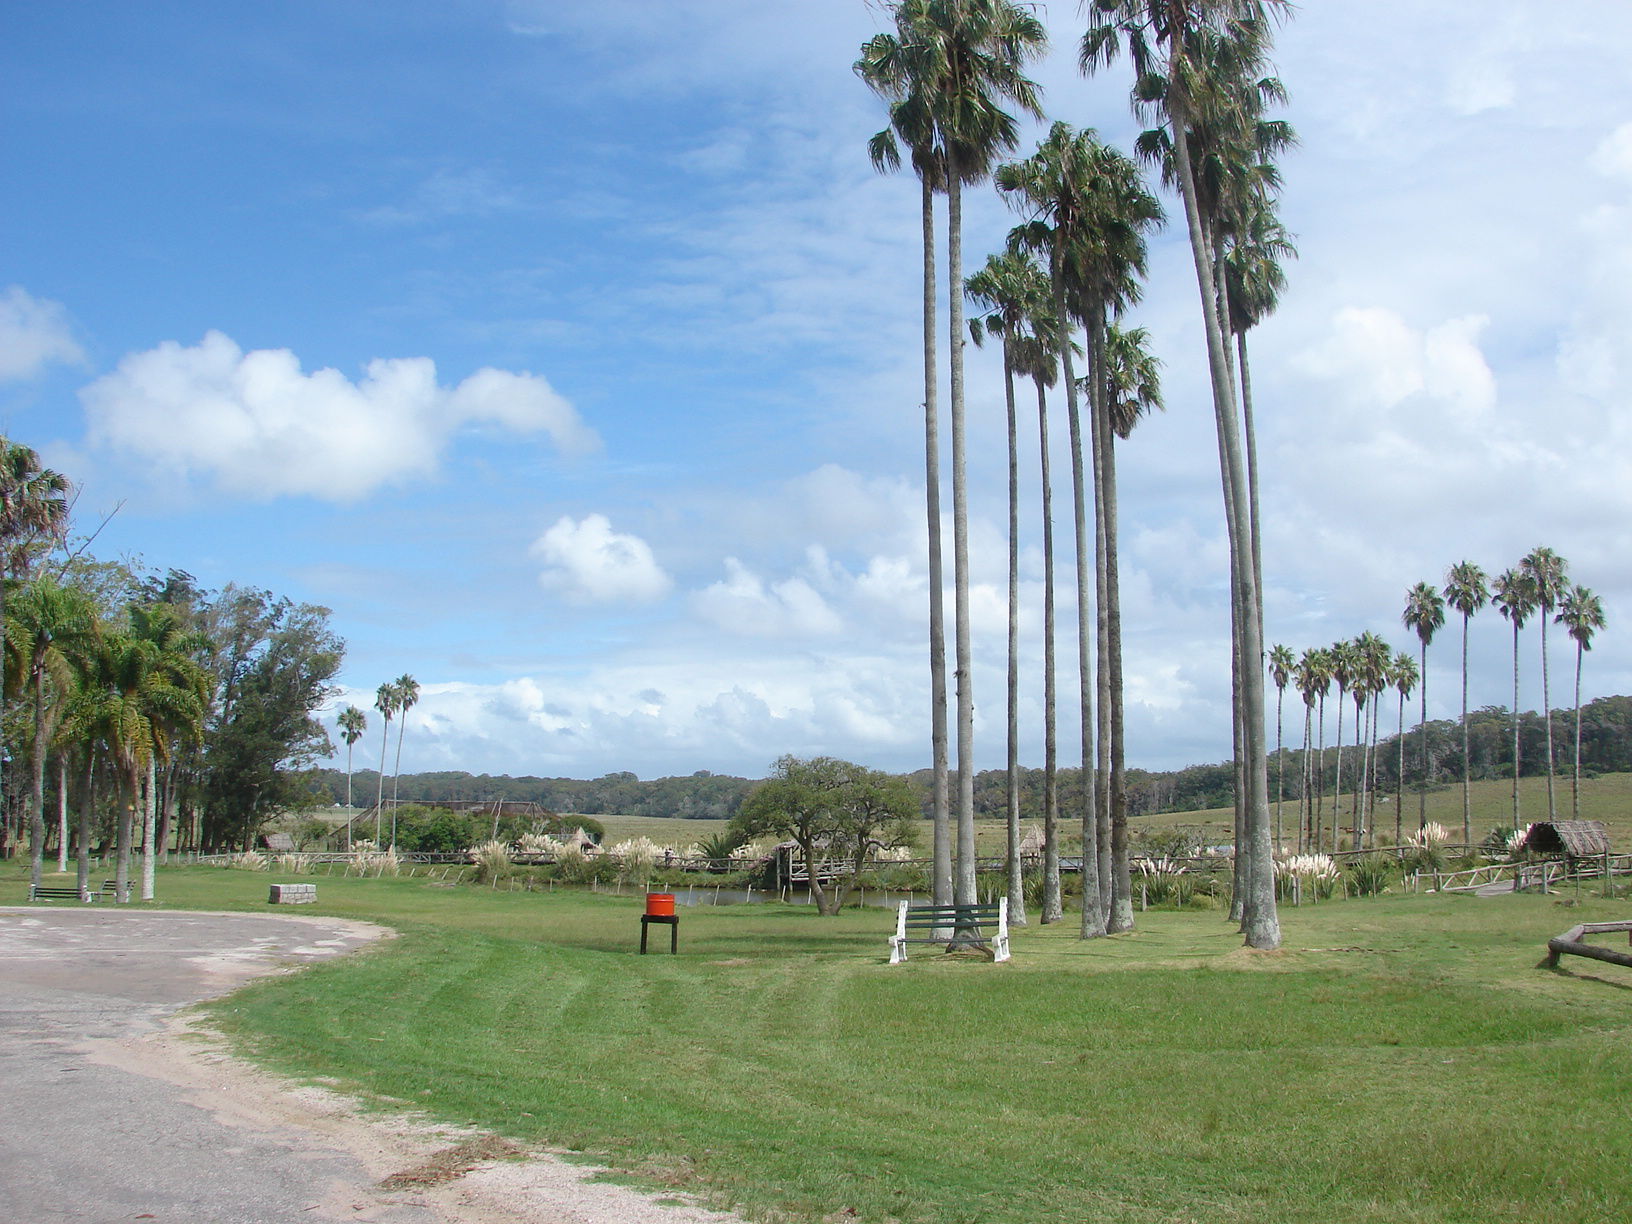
1370 875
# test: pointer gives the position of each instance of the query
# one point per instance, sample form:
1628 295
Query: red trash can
659 905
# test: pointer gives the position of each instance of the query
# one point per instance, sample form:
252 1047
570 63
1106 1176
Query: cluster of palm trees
1538 584
1366 668
117 700
1362 669
392 698
1071 269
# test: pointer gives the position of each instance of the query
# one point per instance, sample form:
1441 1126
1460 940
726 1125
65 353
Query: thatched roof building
1574 839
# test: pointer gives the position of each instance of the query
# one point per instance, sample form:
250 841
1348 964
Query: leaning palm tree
385 701
1515 599
1168 39
1582 614
963 58
883 66
1549 579
1467 590
1403 676
1012 291
1281 667
1424 613
407 697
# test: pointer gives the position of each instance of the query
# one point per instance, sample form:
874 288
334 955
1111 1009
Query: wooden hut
1568 839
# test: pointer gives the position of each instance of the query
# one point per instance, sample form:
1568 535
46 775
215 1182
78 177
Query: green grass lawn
1402 1059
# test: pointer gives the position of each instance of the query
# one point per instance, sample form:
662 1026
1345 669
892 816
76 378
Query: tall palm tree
1281 667
1582 614
1375 657
964 59
1403 676
1549 579
1317 676
1090 211
1012 291
385 701
407 697
179 716
1308 677
883 65
353 722
1165 39
1424 613
34 506
1515 599
51 634
1467 590
1345 664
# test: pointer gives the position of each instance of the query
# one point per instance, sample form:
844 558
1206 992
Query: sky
570 354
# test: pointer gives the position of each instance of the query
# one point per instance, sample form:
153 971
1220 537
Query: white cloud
587 562
34 333
260 427
742 603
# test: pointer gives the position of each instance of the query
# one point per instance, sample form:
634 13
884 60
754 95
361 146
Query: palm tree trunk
1337 801
379 797
940 821
1280 768
36 797
1547 715
1051 783
1320 781
62 805
1093 913
1422 739
1399 786
127 815
85 796
150 828
1121 916
1516 824
1467 759
1575 785
1012 804
963 883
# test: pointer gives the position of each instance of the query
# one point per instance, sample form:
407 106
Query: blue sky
569 354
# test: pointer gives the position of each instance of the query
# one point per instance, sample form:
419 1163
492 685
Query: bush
1370 875
492 859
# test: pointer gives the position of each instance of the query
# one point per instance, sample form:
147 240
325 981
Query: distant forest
1606 747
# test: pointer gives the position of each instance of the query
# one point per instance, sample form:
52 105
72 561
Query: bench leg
898 950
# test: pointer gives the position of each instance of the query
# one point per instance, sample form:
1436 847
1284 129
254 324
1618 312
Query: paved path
113 1108
87 1135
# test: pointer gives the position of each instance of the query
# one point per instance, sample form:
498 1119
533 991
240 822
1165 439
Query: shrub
637 857
1314 876
249 860
492 859
1371 874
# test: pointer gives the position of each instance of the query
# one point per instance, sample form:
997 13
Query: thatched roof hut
1574 839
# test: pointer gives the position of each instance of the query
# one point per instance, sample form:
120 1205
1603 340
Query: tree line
949 74
141 708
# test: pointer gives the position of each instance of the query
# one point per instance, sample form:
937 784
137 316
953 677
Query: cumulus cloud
1374 356
257 424
743 603
34 333
585 561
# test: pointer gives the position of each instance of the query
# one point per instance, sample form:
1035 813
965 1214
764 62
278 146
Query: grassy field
1607 798
1403 1059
